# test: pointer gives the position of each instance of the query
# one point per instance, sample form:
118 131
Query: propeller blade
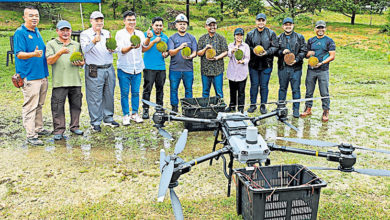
371 149
165 134
308 142
149 103
166 176
321 168
176 205
181 143
308 99
373 172
162 159
291 126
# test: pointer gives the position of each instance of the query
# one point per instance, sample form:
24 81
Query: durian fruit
135 40
239 54
186 52
76 56
289 58
313 61
210 53
162 46
258 49
111 43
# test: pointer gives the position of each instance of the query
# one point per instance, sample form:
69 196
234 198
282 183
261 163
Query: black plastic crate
202 108
278 192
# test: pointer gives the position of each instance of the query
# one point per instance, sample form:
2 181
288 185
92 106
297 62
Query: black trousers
58 98
237 91
151 77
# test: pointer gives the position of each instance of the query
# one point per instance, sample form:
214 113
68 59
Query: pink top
238 72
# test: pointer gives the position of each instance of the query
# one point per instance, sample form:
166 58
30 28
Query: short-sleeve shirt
130 62
153 58
26 40
321 47
212 67
178 63
64 73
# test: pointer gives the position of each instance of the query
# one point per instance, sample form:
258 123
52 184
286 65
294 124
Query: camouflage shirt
212 67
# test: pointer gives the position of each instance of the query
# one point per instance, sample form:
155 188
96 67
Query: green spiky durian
210 53
135 40
258 49
76 56
111 43
162 46
239 54
186 52
313 61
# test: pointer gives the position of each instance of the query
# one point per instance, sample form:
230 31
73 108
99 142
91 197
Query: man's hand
286 51
262 54
311 53
294 62
78 63
165 54
97 38
157 39
37 52
149 33
182 45
63 50
318 65
208 46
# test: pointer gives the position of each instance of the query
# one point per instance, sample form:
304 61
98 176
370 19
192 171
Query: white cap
181 17
96 14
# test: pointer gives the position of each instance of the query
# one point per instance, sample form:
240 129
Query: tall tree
114 5
293 7
349 8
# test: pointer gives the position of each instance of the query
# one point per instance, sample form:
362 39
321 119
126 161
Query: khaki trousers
34 92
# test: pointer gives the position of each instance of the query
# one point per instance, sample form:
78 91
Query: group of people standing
33 57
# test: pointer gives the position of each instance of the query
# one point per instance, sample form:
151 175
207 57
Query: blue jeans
289 75
217 82
322 76
126 81
259 78
174 78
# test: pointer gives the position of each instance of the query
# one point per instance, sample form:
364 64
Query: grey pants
322 76
100 95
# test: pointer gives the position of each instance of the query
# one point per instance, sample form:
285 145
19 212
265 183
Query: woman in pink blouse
237 71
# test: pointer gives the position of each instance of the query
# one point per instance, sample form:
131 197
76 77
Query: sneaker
126 120
112 124
175 110
57 137
145 114
263 109
96 128
296 113
241 109
135 117
44 132
77 131
34 141
252 108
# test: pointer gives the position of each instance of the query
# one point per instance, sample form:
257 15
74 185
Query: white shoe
135 117
126 120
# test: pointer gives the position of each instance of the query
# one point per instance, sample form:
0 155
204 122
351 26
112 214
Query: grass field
115 174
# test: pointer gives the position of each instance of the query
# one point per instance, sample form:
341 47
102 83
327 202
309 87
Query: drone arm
261 117
209 156
174 118
275 147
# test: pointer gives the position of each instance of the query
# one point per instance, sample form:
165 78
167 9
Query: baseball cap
239 31
181 17
261 15
288 20
210 20
96 14
63 24
320 23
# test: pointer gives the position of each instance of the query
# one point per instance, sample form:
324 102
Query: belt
101 66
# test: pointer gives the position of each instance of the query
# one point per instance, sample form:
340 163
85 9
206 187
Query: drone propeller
176 205
165 133
167 164
291 126
327 144
371 172
157 105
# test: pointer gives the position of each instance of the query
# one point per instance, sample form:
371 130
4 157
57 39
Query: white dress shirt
95 53
130 62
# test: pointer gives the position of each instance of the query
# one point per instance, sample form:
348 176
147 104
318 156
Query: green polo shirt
64 73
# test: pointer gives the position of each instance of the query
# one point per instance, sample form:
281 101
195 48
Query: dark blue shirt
321 47
26 40
153 58
178 63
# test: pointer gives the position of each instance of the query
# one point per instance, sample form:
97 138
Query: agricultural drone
241 141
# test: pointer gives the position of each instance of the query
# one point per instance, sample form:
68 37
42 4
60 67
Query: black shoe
34 141
230 109
296 113
112 124
44 132
96 128
175 110
78 132
145 114
58 137
241 110
263 109
252 108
